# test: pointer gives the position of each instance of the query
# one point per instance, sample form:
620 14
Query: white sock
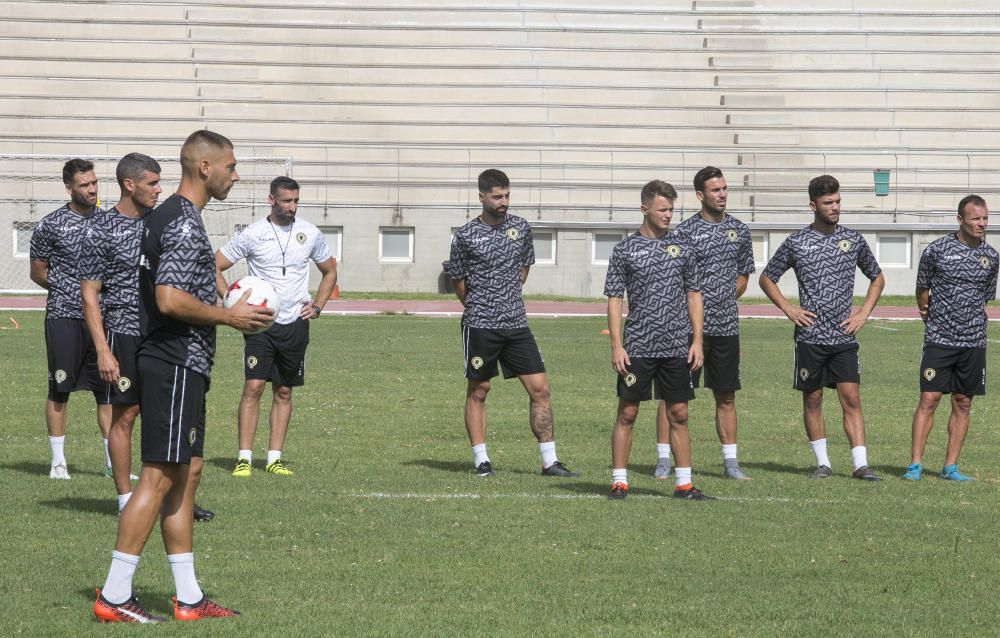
56 444
123 501
548 452
273 455
663 450
479 454
182 567
619 475
245 454
819 449
859 456
728 451
682 476
118 587
107 454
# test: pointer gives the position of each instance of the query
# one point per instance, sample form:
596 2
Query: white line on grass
417 496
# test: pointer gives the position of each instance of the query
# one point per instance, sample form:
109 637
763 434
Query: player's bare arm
107 364
458 285
524 274
328 269
222 264
741 284
39 273
923 296
799 316
182 306
853 324
619 357
696 313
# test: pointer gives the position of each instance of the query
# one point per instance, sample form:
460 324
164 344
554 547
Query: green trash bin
881 182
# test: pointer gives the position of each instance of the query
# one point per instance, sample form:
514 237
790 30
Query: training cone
605 332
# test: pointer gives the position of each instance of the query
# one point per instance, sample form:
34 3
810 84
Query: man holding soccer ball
278 250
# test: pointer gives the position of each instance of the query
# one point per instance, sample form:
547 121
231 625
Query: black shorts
172 409
960 370
515 350
278 354
72 359
819 366
671 376
125 348
722 363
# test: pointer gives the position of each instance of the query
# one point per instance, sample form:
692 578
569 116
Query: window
22 238
893 249
395 244
545 246
334 239
759 249
603 244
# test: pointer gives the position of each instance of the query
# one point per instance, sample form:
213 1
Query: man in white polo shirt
278 249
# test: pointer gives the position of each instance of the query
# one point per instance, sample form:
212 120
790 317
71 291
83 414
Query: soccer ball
261 294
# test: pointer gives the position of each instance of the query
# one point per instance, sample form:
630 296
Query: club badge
512 234
803 373
301 238
930 373
192 436
477 362
630 379
984 262
731 235
124 383
674 251
60 376
251 362
844 245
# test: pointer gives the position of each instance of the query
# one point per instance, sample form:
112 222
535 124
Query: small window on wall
22 238
334 239
545 246
395 245
603 244
893 249
759 249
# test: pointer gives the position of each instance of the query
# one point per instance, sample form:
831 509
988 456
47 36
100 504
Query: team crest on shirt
674 251
630 379
984 262
512 234
731 235
301 238
844 245
803 373
477 362
60 376
124 383
192 436
251 362
930 373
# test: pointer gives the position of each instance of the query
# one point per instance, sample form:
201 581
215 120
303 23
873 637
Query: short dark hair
702 176
210 137
133 165
74 166
657 188
975 200
283 183
492 178
823 185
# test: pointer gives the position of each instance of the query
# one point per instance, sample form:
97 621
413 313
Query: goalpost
31 187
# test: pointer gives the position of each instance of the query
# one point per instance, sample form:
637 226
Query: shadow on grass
107 506
770 467
226 463
458 467
42 469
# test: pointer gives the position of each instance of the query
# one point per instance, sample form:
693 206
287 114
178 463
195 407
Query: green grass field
384 530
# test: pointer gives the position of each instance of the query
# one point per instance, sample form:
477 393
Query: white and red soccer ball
262 294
